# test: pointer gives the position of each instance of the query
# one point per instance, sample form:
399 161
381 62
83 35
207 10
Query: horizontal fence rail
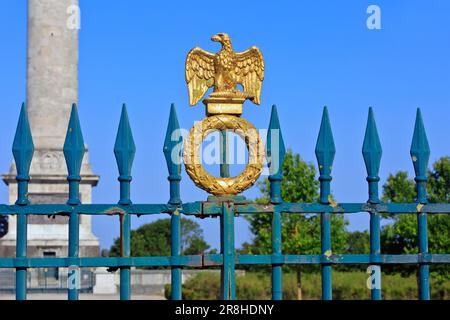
227 259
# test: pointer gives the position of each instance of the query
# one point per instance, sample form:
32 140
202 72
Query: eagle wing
249 72
199 73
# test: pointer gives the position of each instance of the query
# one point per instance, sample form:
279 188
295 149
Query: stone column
52 72
52 87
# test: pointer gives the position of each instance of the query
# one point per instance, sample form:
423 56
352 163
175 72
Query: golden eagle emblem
224 70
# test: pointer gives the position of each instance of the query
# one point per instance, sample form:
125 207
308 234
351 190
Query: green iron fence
224 208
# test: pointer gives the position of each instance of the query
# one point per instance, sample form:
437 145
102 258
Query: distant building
52 87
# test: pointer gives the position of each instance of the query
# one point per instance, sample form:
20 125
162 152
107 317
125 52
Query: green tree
399 188
300 232
401 236
358 242
153 239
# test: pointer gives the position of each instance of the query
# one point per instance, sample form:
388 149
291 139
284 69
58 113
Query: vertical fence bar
175 249
124 151
372 152
125 226
224 165
326 250
227 227
73 152
420 155
23 150
173 154
277 272
325 151
275 151
21 252
227 248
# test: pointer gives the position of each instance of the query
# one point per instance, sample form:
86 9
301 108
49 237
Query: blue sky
316 52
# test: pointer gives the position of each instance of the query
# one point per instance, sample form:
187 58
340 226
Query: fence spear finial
23 149
325 151
420 155
275 151
372 153
124 151
74 150
173 153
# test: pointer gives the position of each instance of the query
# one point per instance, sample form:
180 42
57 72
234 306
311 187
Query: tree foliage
358 242
399 188
300 232
153 239
401 236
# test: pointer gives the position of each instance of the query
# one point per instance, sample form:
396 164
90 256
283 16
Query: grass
346 286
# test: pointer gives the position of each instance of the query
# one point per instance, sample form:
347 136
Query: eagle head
223 38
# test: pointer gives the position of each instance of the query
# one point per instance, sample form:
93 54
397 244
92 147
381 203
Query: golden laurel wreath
223 186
